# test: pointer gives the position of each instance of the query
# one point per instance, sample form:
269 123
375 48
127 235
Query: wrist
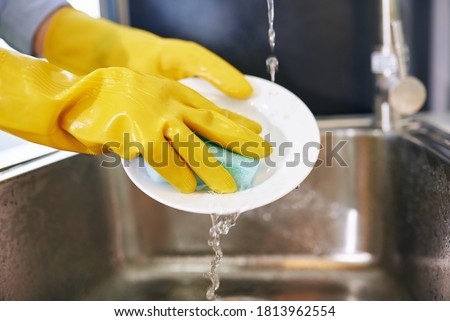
41 32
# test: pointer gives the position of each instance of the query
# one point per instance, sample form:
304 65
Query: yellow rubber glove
45 104
78 43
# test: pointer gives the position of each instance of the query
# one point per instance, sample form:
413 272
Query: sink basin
371 222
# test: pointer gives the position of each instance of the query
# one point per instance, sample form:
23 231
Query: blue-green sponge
243 169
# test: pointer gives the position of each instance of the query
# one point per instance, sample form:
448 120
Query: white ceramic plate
289 123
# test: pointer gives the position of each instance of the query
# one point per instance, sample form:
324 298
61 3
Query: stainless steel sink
370 223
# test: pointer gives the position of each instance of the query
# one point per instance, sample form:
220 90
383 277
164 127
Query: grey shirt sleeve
19 20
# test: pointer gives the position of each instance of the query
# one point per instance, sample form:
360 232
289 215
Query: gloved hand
47 105
78 43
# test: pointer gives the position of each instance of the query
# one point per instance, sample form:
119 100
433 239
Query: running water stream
221 225
271 61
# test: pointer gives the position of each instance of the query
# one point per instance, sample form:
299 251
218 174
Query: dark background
323 46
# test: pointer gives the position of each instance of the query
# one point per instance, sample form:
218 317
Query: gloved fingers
159 154
164 159
225 132
181 59
197 155
218 72
193 99
244 121
226 78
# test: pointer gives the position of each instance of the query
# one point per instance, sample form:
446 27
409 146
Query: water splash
272 66
221 225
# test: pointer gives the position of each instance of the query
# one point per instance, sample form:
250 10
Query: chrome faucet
397 93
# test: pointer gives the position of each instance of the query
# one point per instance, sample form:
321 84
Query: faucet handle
408 95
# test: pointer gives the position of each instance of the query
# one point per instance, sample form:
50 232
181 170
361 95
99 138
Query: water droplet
267 216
